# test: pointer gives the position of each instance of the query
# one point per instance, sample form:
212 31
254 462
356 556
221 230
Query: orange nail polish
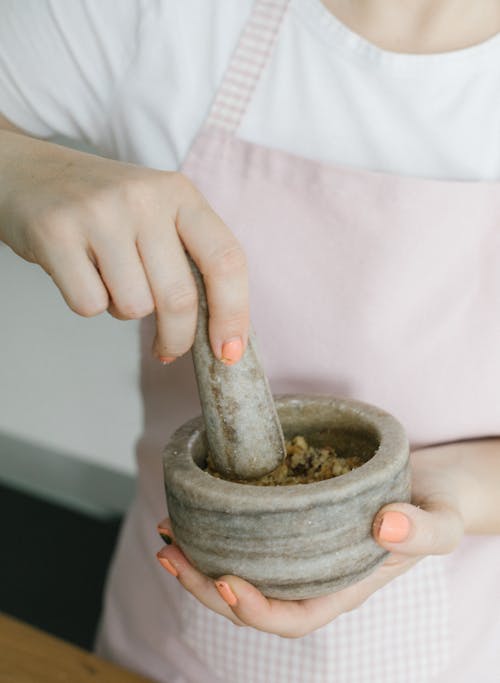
395 527
226 593
232 351
166 360
167 565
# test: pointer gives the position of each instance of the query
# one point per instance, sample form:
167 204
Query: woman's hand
455 489
112 236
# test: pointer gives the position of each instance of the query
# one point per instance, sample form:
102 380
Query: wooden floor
53 564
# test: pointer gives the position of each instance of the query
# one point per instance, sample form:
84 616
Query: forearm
474 468
480 463
37 178
25 163
11 145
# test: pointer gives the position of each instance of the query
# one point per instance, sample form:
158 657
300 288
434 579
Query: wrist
469 473
12 163
480 465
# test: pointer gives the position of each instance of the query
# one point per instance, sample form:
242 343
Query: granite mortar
292 542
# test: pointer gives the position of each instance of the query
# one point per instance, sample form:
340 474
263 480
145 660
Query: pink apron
368 285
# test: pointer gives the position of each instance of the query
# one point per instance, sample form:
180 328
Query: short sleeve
62 60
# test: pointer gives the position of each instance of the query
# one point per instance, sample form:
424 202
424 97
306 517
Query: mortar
291 542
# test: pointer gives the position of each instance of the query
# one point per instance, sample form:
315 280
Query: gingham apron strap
249 59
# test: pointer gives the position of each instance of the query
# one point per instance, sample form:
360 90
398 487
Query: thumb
410 530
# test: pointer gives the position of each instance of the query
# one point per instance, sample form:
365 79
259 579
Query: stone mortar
292 542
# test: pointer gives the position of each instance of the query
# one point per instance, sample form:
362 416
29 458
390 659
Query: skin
455 492
112 237
420 26
454 486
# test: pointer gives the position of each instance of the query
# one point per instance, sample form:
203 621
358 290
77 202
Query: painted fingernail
166 360
232 351
395 527
226 593
165 534
167 565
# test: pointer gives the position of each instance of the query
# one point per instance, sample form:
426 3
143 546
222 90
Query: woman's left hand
443 494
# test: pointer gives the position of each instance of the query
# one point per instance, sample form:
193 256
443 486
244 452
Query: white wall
66 382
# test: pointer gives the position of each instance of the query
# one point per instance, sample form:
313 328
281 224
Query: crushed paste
303 464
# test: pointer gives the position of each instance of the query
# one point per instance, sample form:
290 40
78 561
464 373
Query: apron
366 285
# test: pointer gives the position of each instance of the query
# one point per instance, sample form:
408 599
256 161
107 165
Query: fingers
77 279
123 274
115 235
201 587
194 226
297 618
173 288
245 605
164 528
414 531
107 275
249 608
407 531
221 260
252 607
289 619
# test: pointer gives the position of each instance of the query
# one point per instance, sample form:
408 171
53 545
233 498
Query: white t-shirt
136 79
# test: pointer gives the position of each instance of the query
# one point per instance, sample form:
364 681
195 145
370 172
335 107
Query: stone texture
242 425
291 542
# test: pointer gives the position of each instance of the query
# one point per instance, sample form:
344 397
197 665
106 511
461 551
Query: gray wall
70 409
66 382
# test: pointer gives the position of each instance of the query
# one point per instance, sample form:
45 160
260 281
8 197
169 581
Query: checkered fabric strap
247 64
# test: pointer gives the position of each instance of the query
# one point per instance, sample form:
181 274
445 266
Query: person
339 162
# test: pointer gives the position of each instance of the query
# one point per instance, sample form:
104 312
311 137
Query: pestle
244 434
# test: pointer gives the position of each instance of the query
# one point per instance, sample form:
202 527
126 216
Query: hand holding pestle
243 430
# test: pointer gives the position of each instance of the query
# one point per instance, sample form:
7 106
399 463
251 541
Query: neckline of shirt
340 38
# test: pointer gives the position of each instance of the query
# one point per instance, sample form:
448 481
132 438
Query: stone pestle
243 431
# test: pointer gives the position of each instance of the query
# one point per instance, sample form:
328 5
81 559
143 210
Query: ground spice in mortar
303 464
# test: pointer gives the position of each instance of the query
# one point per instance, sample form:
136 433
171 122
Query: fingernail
167 565
166 360
232 351
226 593
395 527
166 538
163 530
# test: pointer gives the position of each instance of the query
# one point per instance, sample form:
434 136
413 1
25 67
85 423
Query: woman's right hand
113 236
